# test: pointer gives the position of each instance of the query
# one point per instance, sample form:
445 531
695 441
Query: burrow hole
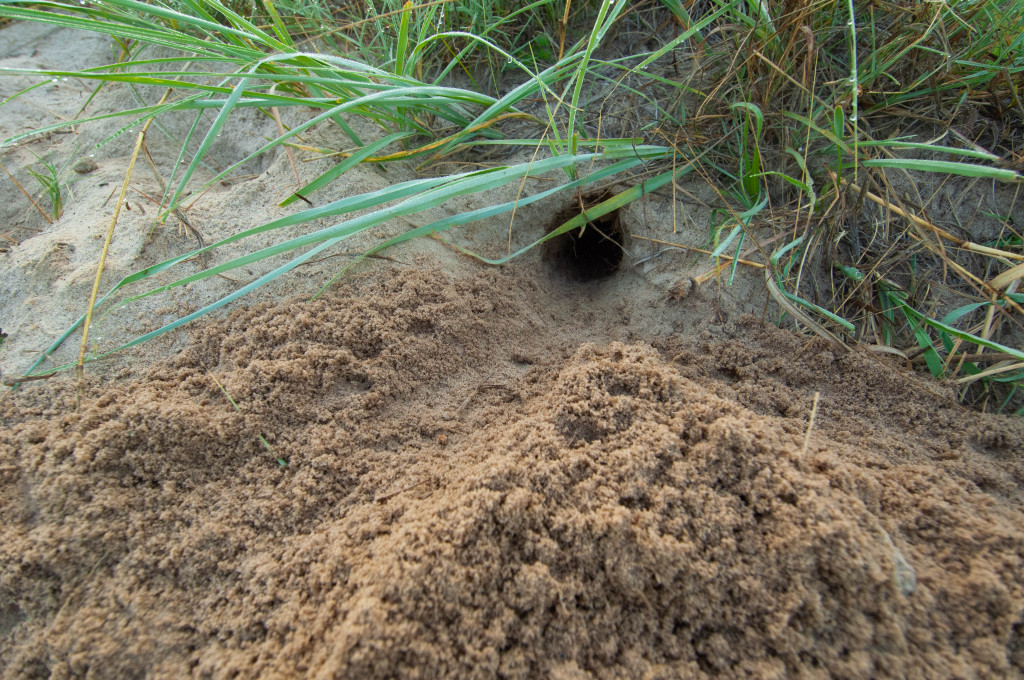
589 255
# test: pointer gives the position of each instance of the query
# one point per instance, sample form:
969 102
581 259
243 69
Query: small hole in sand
592 255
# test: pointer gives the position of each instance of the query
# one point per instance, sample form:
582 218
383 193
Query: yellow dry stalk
966 245
991 287
109 238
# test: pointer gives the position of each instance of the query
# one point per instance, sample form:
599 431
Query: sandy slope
470 493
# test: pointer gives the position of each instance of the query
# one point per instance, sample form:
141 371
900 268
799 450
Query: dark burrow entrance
587 256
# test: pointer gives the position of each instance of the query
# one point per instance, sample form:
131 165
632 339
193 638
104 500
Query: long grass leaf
593 212
343 167
946 167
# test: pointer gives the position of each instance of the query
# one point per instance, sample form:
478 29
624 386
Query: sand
466 496
443 469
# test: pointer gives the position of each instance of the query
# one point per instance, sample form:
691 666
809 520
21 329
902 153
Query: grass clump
51 182
842 123
828 130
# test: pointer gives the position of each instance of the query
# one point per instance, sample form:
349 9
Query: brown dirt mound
464 496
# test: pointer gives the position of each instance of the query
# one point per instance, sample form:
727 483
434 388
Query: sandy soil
468 493
487 472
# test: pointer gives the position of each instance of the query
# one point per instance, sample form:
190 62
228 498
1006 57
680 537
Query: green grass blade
923 320
832 316
606 15
403 39
946 167
343 167
592 213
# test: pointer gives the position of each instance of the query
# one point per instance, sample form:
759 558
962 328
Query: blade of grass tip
890 144
923 320
593 212
724 243
784 302
339 207
774 259
477 181
351 204
240 22
931 357
960 312
736 259
100 22
403 38
395 98
332 235
180 160
250 32
231 297
542 83
106 245
1006 402
678 11
206 12
519 192
839 142
820 310
601 26
946 167
141 114
95 92
211 135
694 29
343 167
279 27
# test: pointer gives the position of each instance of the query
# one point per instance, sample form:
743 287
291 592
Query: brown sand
469 494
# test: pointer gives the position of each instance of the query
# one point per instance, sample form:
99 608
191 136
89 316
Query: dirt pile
468 493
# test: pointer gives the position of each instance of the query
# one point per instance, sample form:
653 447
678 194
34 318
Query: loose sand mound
467 493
